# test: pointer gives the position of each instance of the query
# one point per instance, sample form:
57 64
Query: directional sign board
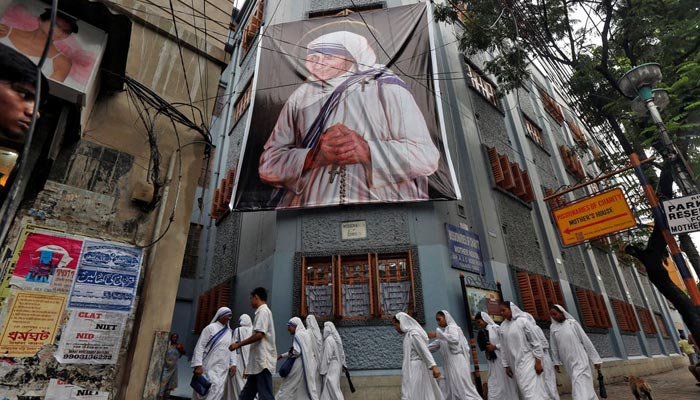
595 216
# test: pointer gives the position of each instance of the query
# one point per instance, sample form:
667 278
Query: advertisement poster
61 390
484 300
76 47
62 280
107 277
465 249
345 112
39 255
31 323
91 337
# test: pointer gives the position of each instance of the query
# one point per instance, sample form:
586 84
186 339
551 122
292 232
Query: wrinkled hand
432 335
198 371
558 369
538 366
436 372
491 347
509 372
232 371
340 145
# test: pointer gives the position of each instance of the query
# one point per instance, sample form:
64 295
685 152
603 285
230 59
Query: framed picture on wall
484 300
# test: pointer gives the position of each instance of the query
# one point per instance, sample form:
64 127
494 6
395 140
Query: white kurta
215 363
455 351
239 358
300 384
331 369
520 346
501 386
572 348
402 152
417 382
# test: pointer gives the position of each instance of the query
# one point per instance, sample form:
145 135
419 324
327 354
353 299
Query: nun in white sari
239 357
416 380
315 331
332 363
300 384
456 353
500 385
352 133
523 353
212 357
572 348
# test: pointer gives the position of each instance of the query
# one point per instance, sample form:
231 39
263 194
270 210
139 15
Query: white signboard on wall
683 214
353 230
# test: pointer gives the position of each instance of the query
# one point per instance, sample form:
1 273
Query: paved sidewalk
678 384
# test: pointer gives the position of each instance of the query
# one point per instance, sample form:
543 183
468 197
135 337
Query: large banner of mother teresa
345 112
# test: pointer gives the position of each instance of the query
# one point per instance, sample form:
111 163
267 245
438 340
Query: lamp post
638 83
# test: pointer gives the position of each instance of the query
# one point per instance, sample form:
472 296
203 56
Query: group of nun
223 368
523 363
319 360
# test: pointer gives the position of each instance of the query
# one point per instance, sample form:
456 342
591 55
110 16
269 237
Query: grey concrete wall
603 343
375 347
632 345
654 346
632 286
519 232
607 274
576 268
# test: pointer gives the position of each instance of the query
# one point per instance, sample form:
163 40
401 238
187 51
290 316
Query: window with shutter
317 287
526 295
538 292
495 161
508 179
519 187
585 308
529 193
662 325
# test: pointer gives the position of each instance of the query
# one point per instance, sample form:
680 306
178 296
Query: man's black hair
261 292
15 67
46 16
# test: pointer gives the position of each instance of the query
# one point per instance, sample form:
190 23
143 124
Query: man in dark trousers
262 358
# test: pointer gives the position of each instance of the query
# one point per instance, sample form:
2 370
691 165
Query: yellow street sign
595 216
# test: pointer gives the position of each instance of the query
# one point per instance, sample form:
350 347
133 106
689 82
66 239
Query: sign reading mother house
344 112
107 277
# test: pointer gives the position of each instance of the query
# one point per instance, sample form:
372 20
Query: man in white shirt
263 353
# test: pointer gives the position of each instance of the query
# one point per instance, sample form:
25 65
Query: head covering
518 313
244 320
221 312
296 323
487 318
329 330
344 44
556 325
312 326
407 323
463 345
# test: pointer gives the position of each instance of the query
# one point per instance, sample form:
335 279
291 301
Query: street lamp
639 83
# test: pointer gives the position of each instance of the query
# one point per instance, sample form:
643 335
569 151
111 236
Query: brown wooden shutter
519 188
508 179
540 298
585 307
559 295
495 165
526 294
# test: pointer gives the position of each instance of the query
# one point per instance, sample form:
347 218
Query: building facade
358 264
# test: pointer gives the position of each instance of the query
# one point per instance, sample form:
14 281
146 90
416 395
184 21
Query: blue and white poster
465 249
107 277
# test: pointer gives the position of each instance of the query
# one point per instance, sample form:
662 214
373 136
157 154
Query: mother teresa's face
327 66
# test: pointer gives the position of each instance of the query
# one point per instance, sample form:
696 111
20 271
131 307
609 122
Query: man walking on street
263 353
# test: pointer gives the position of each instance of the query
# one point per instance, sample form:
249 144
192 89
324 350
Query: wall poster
31 323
